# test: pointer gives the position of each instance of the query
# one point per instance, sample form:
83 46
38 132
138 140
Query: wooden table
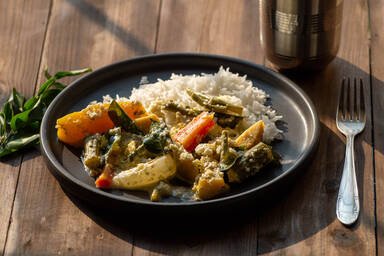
36 216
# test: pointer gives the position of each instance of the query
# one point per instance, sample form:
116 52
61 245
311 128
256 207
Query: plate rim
62 173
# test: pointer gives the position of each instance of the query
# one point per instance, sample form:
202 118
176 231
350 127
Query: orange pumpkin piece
144 123
74 127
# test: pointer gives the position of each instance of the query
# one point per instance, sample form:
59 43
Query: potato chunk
251 136
211 181
146 175
209 185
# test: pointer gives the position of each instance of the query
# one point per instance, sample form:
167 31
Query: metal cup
300 34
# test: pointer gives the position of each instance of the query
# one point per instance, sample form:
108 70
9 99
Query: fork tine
341 107
362 102
348 114
355 114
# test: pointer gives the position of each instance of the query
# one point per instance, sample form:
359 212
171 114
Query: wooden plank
80 34
219 27
377 78
304 222
19 65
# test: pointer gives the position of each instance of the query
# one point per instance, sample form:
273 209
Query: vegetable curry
198 158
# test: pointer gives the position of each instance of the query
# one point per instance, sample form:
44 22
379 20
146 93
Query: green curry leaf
20 118
17 143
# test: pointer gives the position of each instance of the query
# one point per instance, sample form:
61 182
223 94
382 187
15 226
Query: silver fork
350 120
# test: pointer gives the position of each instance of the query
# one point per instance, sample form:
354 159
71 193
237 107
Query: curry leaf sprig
20 118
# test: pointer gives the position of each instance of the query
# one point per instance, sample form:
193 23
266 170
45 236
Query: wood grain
305 222
19 65
377 81
218 27
80 34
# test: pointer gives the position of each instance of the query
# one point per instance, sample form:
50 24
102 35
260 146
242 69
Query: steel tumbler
300 34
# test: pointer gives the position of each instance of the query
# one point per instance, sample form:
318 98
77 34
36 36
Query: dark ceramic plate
300 125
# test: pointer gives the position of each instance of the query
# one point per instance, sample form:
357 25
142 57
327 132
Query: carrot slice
192 134
105 178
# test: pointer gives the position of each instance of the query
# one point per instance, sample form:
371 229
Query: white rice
238 89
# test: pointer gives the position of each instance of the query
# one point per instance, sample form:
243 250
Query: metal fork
350 120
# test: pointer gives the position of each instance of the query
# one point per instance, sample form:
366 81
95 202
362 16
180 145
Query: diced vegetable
163 189
209 185
184 110
112 156
105 178
192 134
216 103
74 127
251 162
186 171
121 119
251 136
224 120
146 175
228 155
93 158
227 120
144 123
156 139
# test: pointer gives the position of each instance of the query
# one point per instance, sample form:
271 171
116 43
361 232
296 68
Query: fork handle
348 206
